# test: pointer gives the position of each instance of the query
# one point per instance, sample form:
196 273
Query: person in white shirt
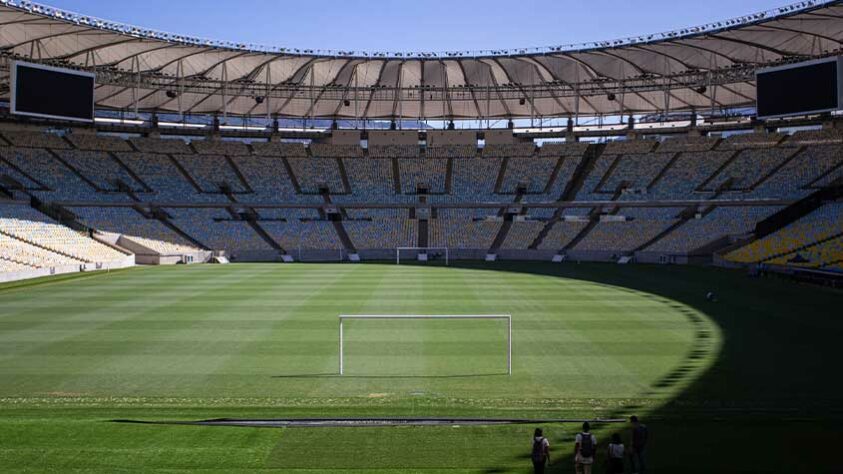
585 449
615 453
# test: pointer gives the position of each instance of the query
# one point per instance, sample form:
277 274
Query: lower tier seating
382 233
31 226
463 233
17 253
821 224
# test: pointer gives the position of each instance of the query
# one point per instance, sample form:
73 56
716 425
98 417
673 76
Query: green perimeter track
745 384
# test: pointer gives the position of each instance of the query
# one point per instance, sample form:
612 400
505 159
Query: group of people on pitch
585 450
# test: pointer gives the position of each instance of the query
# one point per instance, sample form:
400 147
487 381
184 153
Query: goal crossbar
420 250
505 317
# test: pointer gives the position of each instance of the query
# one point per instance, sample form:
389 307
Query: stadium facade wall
344 137
499 137
129 261
445 138
383 138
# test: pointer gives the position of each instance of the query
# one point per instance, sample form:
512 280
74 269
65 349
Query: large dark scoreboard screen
800 89
50 92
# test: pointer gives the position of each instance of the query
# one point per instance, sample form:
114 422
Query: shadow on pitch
365 376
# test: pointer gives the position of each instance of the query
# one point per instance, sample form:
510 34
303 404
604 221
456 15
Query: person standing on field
541 451
640 434
585 449
615 454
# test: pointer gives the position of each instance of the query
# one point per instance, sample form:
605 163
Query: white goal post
505 317
424 250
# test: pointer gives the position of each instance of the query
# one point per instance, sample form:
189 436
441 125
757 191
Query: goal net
506 318
428 253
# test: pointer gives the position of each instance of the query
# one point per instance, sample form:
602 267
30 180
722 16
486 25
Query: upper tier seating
590 188
210 227
157 145
36 140
100 168
750 140
509 150
687 144
749 167
452 151
65 185
563 149
370 180
569 166
166 180
831 136
314 173
532 172
622 147
394 151
473 180
210 172
7 170
150 233
291 149
269 180
220 147
797 178
687 174
422 171
637 171
94 142
320 150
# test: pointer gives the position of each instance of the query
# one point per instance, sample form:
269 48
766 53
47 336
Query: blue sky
402 25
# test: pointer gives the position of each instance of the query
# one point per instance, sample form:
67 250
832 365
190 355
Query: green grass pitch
261 341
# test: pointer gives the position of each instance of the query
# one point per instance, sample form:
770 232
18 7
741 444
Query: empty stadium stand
264 200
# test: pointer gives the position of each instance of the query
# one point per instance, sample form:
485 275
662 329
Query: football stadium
222 256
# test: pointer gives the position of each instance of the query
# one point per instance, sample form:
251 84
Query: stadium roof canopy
703 68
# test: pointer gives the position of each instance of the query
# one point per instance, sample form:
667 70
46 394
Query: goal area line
502 317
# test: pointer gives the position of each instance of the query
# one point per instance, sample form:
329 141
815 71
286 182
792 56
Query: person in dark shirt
541 451
640 434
